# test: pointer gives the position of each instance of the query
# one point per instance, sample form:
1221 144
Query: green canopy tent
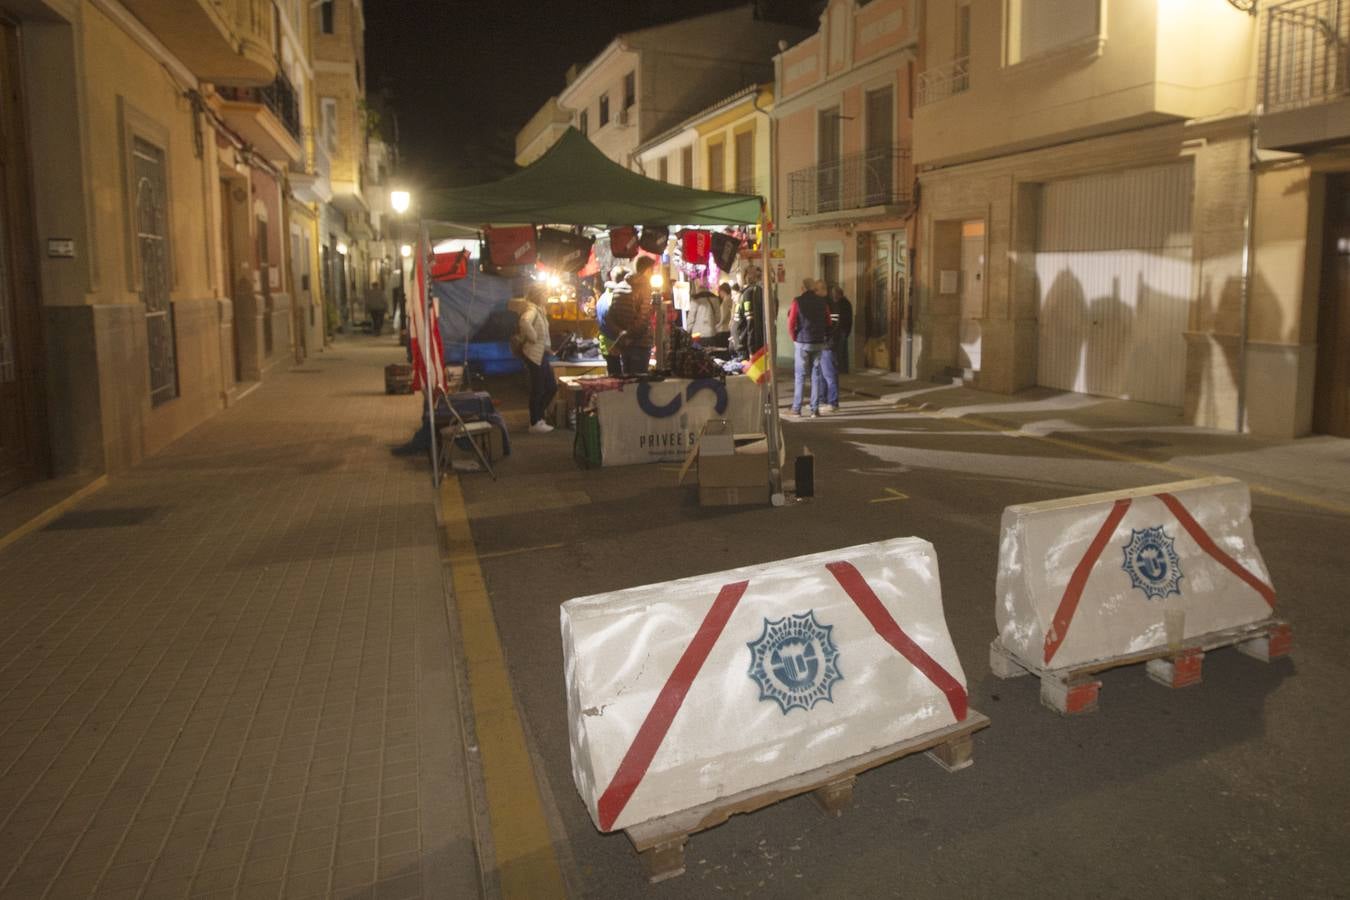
573 183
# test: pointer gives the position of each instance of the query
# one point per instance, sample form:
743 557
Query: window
687 166
629 89
879 155
828 179
963 30
329 123
717 165
326 16
1037 27
150 208
663 168
745 163
604 110
583 122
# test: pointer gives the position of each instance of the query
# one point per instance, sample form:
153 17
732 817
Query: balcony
878 181
309 183
268 117
941 82
225 42
1305 74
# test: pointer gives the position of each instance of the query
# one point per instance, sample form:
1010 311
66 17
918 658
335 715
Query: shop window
604 110
1038 27
629 89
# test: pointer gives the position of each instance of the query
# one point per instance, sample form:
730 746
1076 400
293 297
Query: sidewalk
1308 470
229 672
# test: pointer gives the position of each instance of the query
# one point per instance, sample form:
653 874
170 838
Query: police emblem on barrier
794 661
1152 562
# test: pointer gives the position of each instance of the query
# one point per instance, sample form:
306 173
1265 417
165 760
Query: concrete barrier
1106 575
686 692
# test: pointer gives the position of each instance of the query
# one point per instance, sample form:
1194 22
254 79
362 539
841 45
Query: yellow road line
500 553
1120 456
898 495
526 863
51 512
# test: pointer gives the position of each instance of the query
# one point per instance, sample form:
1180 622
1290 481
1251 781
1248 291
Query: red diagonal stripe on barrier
860 592
653 731
1207 544
1073 591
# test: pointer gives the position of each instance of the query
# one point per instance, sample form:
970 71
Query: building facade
1086 176
647 81
845 203
157 244
540 133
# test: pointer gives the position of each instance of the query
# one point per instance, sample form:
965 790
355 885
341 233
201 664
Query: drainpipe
1248 251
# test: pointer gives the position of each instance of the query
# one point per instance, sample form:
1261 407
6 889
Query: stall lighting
341 248
553 280
405 251
657 281
400 201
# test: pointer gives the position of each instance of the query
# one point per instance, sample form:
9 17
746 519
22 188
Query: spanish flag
758 369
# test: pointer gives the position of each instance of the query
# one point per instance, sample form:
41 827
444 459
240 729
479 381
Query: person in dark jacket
750 315
809 328
630 316
843 328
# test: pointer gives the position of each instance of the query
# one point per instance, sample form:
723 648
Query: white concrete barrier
1104 575
685 692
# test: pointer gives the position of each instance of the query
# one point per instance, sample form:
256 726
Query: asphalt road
1237 787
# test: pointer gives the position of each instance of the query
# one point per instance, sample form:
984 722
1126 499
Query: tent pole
770 354
424 286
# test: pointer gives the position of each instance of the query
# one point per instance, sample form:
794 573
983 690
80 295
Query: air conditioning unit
622 118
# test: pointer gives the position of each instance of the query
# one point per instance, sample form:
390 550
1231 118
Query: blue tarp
466 305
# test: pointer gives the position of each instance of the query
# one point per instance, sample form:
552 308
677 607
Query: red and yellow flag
758 369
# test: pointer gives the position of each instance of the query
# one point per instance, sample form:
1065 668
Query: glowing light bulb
657 281
405 251
400 201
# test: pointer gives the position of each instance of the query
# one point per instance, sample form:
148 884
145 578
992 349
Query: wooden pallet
1072 690
660 842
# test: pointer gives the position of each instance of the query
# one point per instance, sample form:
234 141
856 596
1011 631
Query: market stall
575 186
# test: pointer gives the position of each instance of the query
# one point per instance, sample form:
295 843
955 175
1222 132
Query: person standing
607 331
631 314
376 305
809 328
750 315
842 309
725 310
536 347
701 321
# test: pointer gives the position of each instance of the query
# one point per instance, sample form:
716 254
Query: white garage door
1113 264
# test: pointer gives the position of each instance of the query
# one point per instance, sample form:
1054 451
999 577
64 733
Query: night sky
461 77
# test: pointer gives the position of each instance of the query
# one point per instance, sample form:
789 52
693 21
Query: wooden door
22 420
1331 394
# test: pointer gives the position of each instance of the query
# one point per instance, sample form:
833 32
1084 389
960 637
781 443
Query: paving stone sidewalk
229 674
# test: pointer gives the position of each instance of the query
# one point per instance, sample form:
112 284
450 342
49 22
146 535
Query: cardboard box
717 439
734 470
734 496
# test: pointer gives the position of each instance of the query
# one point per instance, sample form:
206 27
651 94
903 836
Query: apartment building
844 129
1086 172
1303 127
647 81
158 230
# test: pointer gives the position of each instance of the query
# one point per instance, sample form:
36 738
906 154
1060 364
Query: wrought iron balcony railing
1305 54
882 176
941 82
279 97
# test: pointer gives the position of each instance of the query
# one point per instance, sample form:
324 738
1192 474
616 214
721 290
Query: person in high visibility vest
750 315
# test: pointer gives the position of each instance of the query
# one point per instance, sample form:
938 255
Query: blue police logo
794 662
1152 563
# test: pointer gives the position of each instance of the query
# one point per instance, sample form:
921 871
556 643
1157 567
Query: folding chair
476 432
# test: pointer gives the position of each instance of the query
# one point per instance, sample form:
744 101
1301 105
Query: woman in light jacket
536 347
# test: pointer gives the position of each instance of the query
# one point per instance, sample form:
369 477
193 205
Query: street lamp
400 201
405 251
341 248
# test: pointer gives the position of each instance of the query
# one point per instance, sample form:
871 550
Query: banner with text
659 421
